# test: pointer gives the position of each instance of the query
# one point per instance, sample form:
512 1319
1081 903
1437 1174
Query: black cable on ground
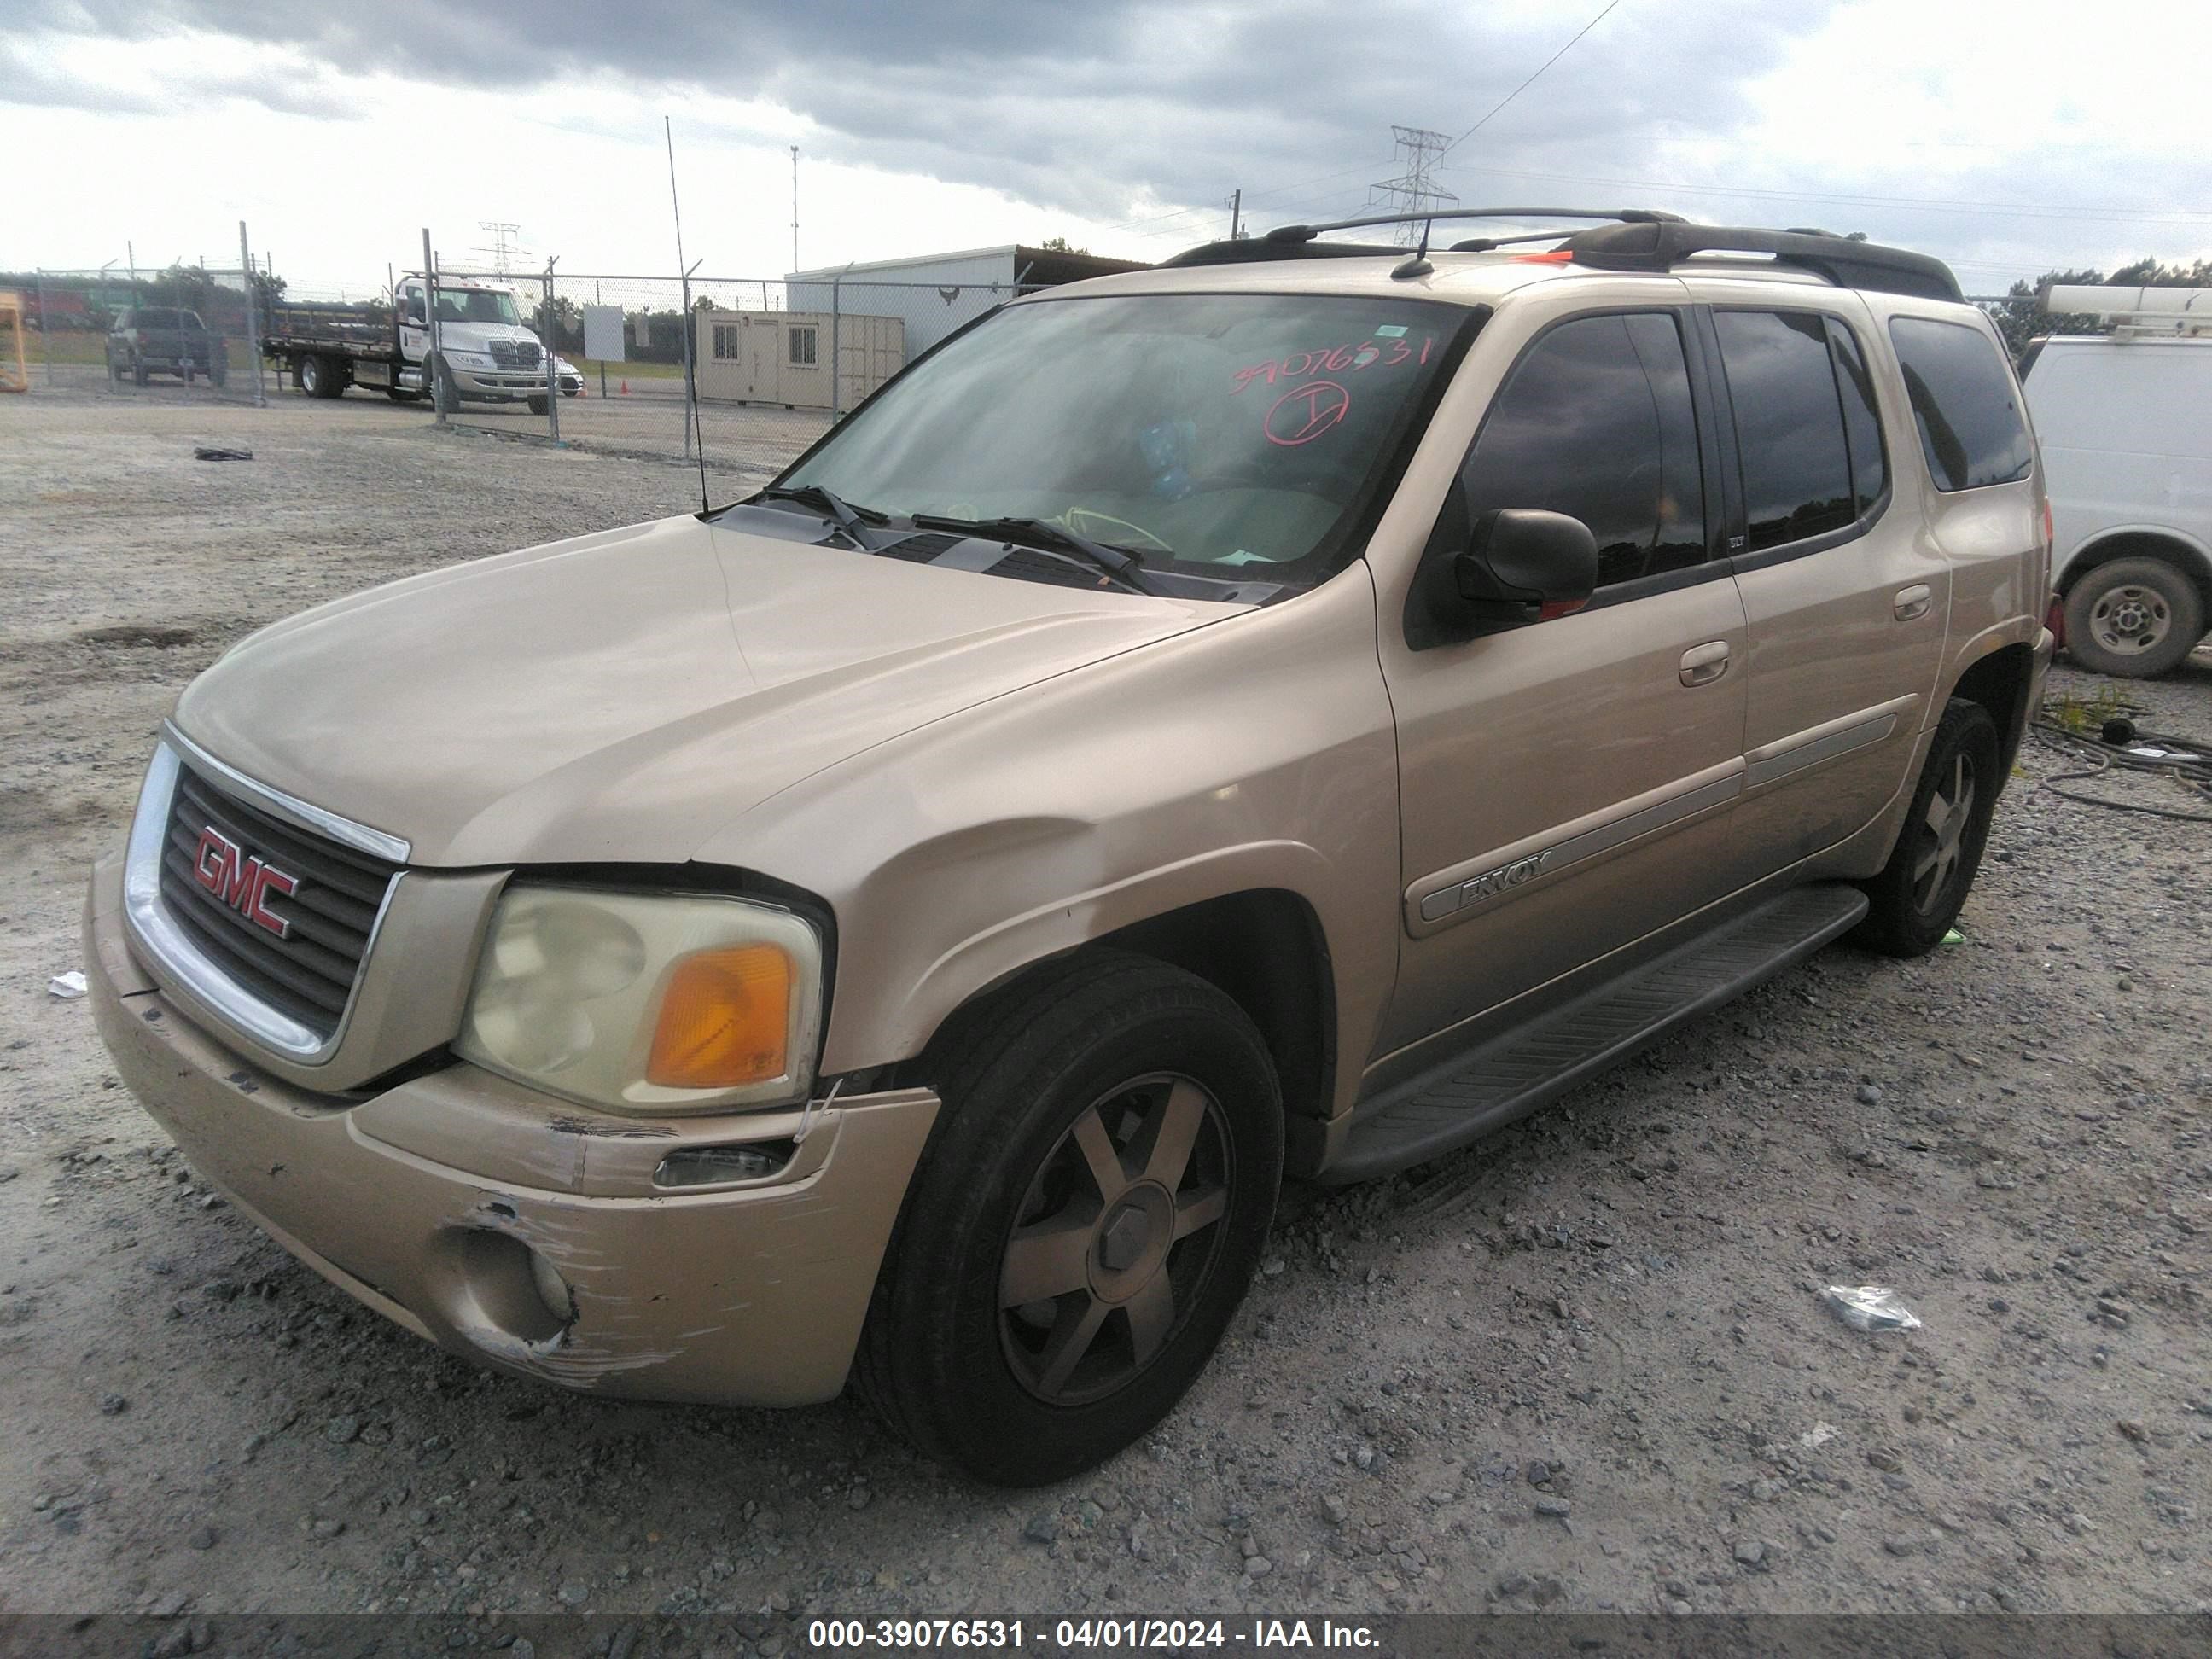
2186 761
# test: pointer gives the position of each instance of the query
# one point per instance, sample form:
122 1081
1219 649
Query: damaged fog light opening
706 1166
515 1288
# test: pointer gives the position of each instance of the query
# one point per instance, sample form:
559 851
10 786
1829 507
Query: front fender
1256 752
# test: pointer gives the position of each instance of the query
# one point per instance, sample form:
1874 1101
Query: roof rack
1629 238
1301 241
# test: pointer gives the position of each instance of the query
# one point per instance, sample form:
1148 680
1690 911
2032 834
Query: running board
1515 1073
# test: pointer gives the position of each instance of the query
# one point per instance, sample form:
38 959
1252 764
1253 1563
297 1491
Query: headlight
647 1002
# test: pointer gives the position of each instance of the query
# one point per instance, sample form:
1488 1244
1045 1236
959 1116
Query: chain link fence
768 364
183 333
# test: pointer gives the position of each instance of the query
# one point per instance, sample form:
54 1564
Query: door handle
1911 603
1704 664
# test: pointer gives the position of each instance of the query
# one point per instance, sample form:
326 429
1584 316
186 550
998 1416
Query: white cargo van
2125 421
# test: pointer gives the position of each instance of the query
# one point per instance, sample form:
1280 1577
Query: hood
626 696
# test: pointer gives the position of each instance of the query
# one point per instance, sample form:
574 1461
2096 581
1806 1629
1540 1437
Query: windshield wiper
849 517
1118 563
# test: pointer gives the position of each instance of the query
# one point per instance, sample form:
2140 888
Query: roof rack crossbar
1625 215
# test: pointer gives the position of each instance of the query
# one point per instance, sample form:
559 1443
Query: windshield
475 305
1224 430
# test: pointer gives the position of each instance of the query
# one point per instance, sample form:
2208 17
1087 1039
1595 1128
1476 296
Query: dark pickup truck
148 340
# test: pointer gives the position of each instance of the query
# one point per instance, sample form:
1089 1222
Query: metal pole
690 395
1236 213
597 297
795 210
836 363
46 331
252 318
430 298
552 384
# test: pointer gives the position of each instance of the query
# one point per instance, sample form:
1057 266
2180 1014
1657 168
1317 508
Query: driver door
414 322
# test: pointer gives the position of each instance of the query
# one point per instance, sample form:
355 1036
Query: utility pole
1236 214
794 207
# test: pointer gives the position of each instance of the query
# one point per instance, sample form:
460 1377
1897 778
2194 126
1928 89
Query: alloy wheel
1942 834
1118 1230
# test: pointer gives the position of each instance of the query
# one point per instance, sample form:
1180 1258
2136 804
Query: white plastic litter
68 987
1869 1308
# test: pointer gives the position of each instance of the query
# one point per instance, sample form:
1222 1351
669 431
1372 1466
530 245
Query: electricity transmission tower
1413 190
501 251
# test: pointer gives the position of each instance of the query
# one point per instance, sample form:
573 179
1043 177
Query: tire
537 404
2134 617
572 392
319 377
445 395
1921 890
1052 1092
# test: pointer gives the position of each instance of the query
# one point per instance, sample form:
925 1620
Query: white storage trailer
2125 420
783 357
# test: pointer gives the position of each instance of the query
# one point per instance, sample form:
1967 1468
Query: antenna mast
794 207
691 323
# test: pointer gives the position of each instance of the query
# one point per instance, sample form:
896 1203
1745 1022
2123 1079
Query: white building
934 294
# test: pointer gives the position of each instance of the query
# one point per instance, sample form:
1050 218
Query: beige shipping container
783 356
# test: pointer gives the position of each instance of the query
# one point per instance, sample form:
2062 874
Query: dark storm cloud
1085 109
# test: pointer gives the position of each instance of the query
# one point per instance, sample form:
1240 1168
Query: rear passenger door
1845 596
1565 786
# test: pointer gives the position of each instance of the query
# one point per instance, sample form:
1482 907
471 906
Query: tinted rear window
1963 402
1789 423
153 316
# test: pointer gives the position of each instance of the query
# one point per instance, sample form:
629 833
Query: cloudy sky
2006 137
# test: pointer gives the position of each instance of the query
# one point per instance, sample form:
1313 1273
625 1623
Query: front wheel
537 404
1087 1217
2134 617
1921 890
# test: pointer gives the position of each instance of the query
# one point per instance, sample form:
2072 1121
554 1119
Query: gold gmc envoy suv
1282 714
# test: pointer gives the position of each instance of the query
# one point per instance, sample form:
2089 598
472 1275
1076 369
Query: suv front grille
308 973
516 354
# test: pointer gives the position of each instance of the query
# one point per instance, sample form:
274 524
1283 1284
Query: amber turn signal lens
724 1019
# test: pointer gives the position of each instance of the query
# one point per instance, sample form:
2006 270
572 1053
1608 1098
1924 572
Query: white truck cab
2125 424
480 352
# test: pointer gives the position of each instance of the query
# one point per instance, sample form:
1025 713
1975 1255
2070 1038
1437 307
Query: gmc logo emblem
244 883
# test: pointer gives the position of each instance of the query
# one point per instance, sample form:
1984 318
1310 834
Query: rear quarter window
1964 403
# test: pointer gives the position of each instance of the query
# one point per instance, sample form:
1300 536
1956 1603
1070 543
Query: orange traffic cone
625 391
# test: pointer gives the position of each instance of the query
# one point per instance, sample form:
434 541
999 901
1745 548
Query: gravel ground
1580 1367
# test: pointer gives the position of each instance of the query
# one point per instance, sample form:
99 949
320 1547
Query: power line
1531 81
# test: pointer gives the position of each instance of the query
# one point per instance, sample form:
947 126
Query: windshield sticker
1305 412
1391 331
1348 358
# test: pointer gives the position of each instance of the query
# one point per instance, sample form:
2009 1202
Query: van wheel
2134 617
1920 892
1087 1218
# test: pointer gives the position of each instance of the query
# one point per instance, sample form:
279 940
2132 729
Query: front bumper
425 1201
498 386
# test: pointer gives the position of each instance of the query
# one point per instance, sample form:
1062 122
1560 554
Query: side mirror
1522 565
